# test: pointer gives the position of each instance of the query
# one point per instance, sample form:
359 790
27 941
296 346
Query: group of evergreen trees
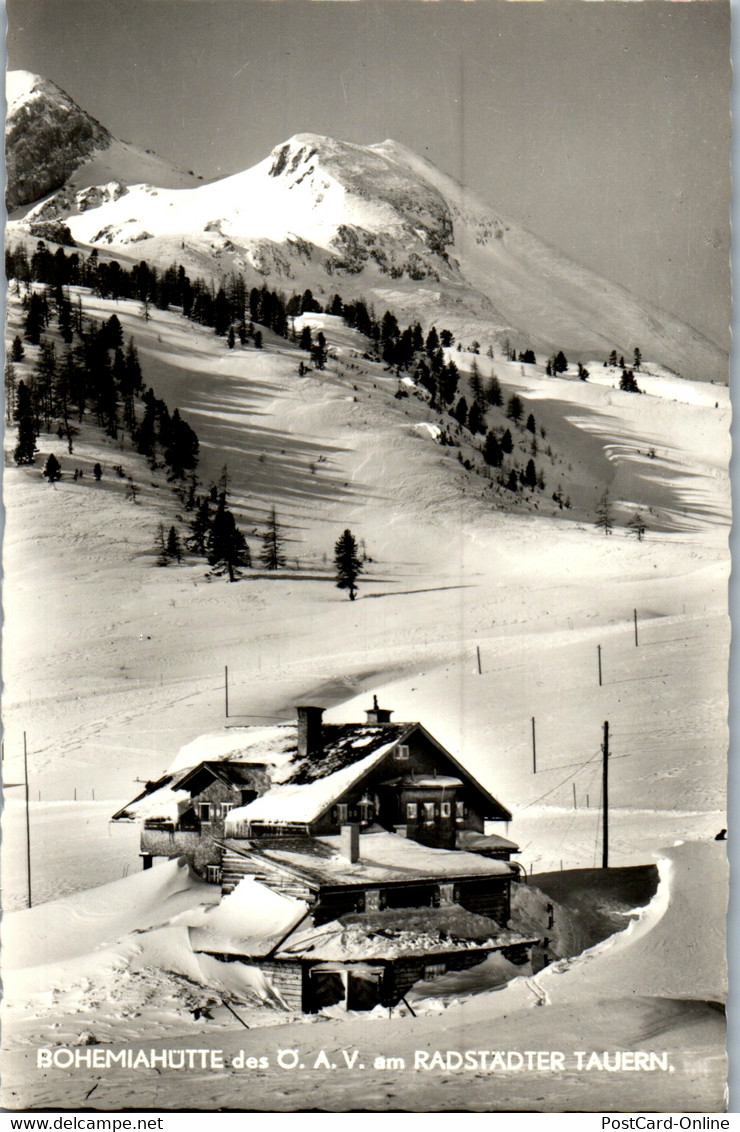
97 377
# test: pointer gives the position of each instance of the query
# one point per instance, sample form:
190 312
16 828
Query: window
372 900
447 894
366 808
402 752
434 970
411 811
213 874
446 809
226 807
342 812
429 809
460 810
204 811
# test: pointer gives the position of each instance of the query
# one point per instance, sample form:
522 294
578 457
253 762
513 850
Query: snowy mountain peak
374 221
47 137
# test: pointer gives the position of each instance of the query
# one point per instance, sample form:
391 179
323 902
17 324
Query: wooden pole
636 640
480 670
28 817
598 649
534 749
226 689
575 804
605 839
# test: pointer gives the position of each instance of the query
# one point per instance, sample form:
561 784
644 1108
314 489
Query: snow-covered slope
51 142
376 221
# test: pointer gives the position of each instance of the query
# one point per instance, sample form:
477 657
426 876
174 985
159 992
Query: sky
603 127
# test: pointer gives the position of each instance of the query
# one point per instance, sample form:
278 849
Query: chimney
349 842
378 715
310 739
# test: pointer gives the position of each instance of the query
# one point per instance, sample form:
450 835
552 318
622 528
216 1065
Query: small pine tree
560 364
227 548
347 563
493 391
52 468
98 472
627 382
199 527
638 525
638 358
25 449
507 444
476 420
530 476
604 518
161 546
231 338
272 557
174 546
514 408
17 353
492 453
531 426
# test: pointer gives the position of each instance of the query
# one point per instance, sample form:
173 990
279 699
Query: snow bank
79 924
251 920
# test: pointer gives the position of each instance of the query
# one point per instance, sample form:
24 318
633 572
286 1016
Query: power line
566 779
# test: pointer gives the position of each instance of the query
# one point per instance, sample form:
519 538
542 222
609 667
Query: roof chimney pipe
378 715
310 737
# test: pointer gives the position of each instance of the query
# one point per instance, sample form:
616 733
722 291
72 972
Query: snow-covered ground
630 1024
473 617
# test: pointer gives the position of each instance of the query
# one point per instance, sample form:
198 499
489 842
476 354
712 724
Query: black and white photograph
366 556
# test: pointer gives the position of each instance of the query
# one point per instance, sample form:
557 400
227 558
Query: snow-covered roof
251 920
163 803
479 842
306 786
384 858
373 935
302 787
270 745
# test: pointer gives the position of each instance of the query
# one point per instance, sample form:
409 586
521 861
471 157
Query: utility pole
226 688
598 650
534 750
636 640
605 838
28 817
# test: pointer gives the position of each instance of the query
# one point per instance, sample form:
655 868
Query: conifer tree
476 420
638 525
347 563
200 526
227 548
604 518
493 391
52 469
272 557
174 546
514 408
492 453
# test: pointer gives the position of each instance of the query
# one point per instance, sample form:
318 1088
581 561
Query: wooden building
373 837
